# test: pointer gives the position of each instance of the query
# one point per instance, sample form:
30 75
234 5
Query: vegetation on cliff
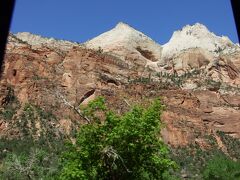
112 146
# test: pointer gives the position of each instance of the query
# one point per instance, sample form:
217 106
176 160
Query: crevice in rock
206 121
112 81
218 124
14 72
146 53
224 99
108 79
87 95
232 134
232 70
182 101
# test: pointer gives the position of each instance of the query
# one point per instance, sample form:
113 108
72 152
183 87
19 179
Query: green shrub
34 153
8 113
10 105
222 168
232 144
29 159
30 116
122 147
38 164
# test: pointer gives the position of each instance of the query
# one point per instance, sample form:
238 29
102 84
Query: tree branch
67 103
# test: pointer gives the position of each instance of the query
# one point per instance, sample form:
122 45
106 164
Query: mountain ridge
193 46
198 30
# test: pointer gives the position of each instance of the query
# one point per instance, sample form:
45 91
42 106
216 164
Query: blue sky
80 20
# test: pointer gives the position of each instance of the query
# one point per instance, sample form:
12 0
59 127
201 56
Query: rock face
199 87
189 59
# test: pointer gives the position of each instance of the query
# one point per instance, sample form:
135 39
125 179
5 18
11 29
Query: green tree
121 147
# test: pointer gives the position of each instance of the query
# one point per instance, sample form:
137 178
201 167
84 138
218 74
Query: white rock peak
124 39
196 36
121 32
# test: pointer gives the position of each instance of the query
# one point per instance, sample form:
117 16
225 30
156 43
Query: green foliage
122 147
34 153
211 140
232 144
143 80
213 85
177 80
97 105
192 159
36 77
219 49
222 168
37 164
197 163
33 115
100 50
29 159
10 105
8 113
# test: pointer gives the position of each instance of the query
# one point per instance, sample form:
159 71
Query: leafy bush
34 153
94 106
38 164
29 159
222 168
232 144
8 113
213 85
10 105
122 147
191 160
33 115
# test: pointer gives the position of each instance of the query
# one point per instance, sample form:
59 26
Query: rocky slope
200 88
38 41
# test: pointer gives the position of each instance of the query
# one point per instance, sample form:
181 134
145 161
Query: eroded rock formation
198 82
